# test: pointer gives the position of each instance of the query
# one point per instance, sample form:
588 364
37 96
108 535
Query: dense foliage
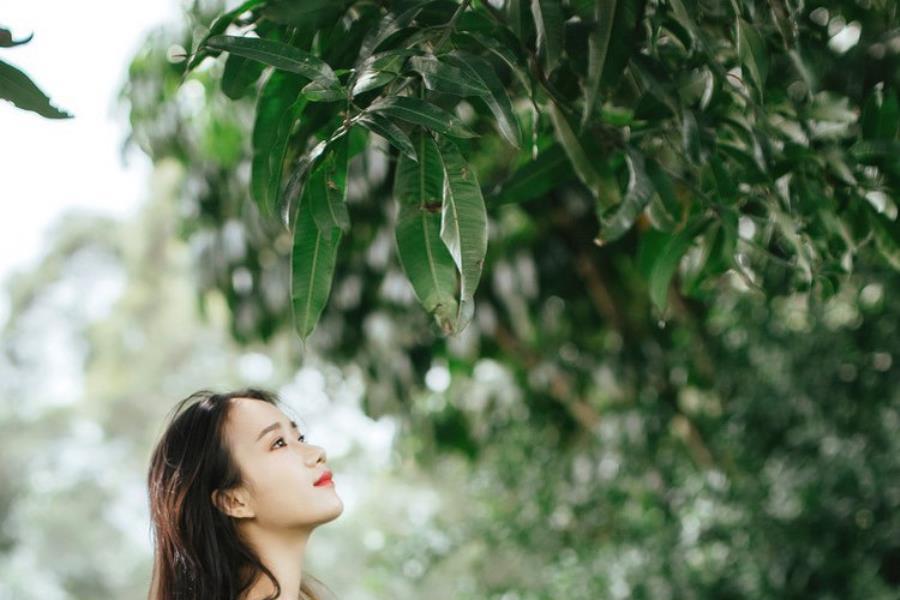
655 243
694 115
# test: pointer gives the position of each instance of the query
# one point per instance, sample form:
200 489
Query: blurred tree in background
624 272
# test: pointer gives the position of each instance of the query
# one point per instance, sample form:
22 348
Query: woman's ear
232 502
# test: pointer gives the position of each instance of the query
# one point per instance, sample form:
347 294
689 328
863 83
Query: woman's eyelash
302 438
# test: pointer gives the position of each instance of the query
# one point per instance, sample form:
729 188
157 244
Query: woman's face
279 470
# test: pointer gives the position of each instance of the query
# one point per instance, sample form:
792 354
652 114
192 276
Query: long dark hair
198 554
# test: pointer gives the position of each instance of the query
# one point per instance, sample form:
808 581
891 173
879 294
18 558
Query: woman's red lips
324 478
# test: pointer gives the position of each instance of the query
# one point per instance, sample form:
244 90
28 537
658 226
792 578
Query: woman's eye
275 445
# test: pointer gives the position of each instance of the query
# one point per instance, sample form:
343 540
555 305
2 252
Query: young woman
235 492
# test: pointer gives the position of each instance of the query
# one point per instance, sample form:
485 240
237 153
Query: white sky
79 57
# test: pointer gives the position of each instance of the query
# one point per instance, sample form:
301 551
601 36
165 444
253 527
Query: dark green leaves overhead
18 88
658 117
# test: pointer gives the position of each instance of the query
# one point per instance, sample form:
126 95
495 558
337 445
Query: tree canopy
634 261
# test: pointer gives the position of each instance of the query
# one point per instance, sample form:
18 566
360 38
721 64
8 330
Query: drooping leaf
616 221
464 227
279 55
445 78
388 130
887 237
664 210
613 36
336 174
18 88
276 109
326 190
548 22
496 98
418 190
752 51
312 264
665 263
421 112
598 45
584 167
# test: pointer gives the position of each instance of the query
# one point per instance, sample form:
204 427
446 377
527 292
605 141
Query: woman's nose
316 455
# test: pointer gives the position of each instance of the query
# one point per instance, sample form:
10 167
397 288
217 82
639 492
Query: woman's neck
283 556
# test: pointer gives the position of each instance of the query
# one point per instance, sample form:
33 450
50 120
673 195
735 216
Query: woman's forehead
249 414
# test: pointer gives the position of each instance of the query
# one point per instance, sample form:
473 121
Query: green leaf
276 109
887 237
418 190
326 189
388 130
598 45
18 88
608 54
318 91
464 227
690 136
447 79
752 52
665 263
548 22
279 55
880 118
504 45
239 75
616 221
535 178
496 98
420 112
219 25
312 265
390 24
664 209
379 69
584 167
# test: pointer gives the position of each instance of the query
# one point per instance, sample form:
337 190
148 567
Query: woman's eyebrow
272 427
